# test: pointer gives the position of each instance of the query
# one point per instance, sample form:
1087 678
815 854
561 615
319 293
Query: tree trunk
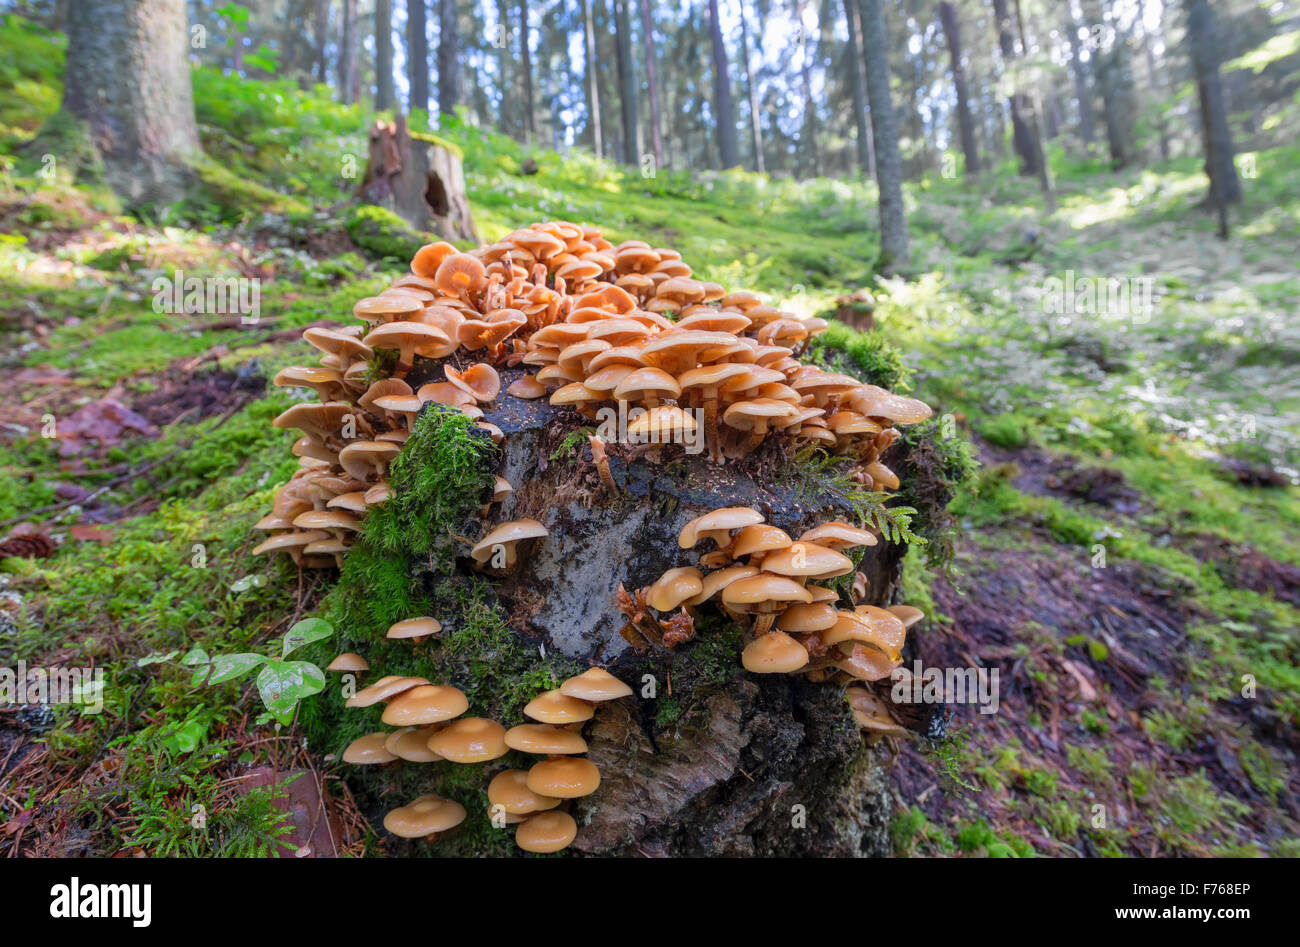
813 157
866 160
348 53
526 64
593 91
448 58
1022 135
1110 68
728 149
417 48
385 94
320 31
755 127
1153 80
1045 182
965 123
889 166
1225 186
421 182
627 90
127 79
1087 126
648 29
505 122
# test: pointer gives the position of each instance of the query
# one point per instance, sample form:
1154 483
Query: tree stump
419 179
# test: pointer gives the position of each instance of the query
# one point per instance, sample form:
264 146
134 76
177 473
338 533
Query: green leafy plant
281 683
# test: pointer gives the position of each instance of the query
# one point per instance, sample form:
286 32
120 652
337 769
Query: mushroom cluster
532 797
757 573
430 728
601 324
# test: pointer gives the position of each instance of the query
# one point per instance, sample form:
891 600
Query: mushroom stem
711 429
763 624
602 463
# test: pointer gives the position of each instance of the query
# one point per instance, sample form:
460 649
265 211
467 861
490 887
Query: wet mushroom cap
717 523
426 815
384 689
764 592
674 587
425 704
470 740
802 619
509 790
412 744
544 739
505 534
555 707
564 778
774 653
838 535
808 559
909 615
348 661
414 628
546 832
759 538
368 749
595 684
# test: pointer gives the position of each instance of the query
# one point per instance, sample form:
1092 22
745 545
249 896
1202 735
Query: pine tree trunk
1225 186
1045 182
755 126
728 149
417 48
1154 81
127 79
448 58
813 156
593 89
626 83
505 122
860 121
348 52
1082 92
526 64
647 26
889 166
385 94
1022 134
320 31
965 123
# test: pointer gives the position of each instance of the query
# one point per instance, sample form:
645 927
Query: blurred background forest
922 173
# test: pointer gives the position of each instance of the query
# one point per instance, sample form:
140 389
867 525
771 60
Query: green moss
383 234
438 480
864 355
225 196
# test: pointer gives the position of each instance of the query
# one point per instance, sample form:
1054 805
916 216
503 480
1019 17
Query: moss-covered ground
1126 468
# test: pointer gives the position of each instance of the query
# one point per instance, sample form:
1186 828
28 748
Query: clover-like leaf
227 667
305 632
281 684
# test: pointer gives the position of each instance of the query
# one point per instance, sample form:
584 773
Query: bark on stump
419 180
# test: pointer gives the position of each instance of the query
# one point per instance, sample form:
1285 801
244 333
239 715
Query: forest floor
1129 553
